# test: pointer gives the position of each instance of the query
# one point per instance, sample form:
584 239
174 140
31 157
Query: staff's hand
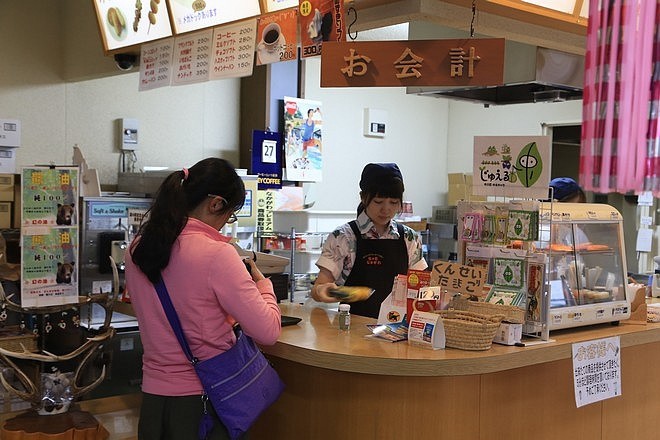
321 292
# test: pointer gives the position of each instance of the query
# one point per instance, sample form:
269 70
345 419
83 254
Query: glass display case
586 273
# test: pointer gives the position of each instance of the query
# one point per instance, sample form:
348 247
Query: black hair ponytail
179 194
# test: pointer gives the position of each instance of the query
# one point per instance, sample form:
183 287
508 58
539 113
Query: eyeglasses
232 217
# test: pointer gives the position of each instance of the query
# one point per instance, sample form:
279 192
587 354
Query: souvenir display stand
563 264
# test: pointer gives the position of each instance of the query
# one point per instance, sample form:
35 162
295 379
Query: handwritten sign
597 370
191 58
513 166
233 50
458 278
156 64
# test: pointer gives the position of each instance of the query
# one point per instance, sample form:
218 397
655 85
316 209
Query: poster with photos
49 266
303 139
49 196
49 236
277 36
320 20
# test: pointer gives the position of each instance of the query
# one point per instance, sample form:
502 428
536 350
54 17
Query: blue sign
267 158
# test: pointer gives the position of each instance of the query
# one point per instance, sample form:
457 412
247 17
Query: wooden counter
343 385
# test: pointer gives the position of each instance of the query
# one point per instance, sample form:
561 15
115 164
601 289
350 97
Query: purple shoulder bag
240 382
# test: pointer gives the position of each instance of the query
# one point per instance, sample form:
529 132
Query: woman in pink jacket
210 289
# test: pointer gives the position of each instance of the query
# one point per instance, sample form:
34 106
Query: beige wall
55 78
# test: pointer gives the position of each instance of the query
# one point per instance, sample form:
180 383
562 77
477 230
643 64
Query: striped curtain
620 149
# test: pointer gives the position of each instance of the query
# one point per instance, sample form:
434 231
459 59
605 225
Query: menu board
126 23
320 20
233 50
277 34
156 64
277 5
191 57
188 15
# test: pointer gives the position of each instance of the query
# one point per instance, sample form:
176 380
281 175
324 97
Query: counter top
317 341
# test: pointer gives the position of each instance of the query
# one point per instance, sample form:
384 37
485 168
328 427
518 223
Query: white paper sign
426 330
644 240
645 198
191 58
232 54
511 166
156 64
597 370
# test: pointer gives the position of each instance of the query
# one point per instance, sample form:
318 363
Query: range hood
531 74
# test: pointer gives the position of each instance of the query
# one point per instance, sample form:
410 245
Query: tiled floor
122 425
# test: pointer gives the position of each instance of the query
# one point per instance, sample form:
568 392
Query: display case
586 273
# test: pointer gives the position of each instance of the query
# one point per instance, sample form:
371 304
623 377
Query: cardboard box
6 211
6 187
460 188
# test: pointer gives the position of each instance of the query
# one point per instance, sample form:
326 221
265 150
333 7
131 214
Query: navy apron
377 262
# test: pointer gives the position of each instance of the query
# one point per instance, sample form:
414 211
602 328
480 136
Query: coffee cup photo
271 36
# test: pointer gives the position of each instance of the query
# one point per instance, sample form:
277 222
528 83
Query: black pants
175 418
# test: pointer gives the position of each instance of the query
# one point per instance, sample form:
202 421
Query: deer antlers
33 392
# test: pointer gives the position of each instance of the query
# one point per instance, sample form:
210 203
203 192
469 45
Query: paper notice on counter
597 370
426 330
233 50
191 58
156 64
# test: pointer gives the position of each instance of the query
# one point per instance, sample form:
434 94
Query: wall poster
49 236
303 140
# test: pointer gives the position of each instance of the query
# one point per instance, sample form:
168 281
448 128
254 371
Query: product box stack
6 200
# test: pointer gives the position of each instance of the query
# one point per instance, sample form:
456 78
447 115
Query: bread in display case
586 274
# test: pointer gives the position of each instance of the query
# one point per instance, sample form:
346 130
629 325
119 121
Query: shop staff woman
372 249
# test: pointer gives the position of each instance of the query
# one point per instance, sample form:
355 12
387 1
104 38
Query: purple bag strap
173 318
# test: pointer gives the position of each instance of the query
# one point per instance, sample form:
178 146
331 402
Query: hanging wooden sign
458 62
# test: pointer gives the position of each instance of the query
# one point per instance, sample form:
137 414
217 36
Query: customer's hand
321 292
253 269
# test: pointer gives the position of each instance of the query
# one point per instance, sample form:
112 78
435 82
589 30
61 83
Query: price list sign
191 58
156 64
233 50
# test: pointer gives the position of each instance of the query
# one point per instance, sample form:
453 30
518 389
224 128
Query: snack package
352 293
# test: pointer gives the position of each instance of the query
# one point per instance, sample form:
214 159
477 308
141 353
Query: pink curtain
620 131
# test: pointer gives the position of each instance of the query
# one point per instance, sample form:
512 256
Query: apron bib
377 262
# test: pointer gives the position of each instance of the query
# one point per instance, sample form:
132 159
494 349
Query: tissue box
508 334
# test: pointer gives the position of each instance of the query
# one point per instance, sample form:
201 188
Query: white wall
178 125
467 120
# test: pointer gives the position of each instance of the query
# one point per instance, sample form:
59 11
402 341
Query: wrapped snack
352 293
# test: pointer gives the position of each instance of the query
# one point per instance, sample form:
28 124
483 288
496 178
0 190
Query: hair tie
185 175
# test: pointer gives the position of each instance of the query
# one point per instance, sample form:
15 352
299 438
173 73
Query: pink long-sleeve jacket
210 288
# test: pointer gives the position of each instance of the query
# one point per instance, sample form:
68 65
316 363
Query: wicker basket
13 339
512 314
468 330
